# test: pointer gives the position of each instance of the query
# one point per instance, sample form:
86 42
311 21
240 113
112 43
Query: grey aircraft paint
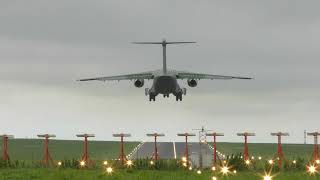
164 81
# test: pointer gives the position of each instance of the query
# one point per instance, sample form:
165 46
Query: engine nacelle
139 83
192 82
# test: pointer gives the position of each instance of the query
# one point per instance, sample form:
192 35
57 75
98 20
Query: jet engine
139 83
192 82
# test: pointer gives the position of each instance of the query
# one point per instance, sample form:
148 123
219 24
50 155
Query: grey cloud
46 45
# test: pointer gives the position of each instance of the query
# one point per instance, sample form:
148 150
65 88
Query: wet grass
100 174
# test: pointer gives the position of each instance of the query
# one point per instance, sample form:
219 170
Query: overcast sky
45 46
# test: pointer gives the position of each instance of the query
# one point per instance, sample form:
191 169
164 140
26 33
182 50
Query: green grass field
32 149
268 150
74 174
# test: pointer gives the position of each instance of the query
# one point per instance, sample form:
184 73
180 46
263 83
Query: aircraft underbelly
165 84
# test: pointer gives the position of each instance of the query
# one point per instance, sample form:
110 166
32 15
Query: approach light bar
186 134
7 136
314 134
279 134
121 135
46 135
155 134
215 134
246 134
85 135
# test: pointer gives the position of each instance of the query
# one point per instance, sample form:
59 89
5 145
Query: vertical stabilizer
164 50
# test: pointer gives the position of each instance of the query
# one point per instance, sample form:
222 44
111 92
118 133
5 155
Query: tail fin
164 45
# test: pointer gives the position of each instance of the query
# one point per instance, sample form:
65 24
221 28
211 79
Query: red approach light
246 149
47 157
155 153
85 157
122 156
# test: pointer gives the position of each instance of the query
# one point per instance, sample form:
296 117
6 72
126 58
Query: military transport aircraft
164 81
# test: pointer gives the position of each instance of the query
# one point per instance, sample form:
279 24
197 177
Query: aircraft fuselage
165 84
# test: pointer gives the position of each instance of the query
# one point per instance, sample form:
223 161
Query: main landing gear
152 97
179 97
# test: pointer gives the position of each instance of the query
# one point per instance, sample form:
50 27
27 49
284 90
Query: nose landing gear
179 97
152 97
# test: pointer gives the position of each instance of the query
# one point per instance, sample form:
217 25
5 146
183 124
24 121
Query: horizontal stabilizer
165 42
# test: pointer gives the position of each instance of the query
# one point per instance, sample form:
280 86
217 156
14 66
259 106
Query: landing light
267 177
270 161
312 169
225 170
184 164
82 163
109 170
129 163
294 161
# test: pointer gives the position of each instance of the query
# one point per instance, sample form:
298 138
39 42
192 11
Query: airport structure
186 152
214 135
122 156
280 152
188 159
155 155
47 157
315 146
246 149
5 154
85 157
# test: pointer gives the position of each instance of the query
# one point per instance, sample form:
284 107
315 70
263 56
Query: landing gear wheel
179 97
166 95
152 98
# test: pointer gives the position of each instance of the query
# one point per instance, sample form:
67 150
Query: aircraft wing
190 75
147 75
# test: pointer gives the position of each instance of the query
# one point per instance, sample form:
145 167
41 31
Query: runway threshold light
267 177
109 170
271 162
225 170
129 163
312 169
